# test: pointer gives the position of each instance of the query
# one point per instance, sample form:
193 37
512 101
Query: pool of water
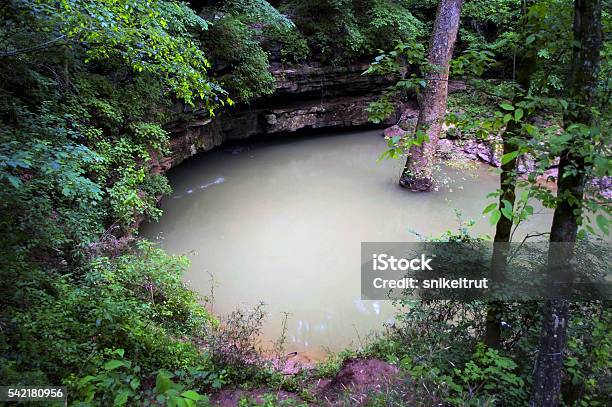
282 222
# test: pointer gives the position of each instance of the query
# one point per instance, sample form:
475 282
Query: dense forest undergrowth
87 88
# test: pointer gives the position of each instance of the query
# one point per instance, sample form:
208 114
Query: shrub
136 302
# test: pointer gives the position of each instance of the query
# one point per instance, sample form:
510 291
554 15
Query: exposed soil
355 383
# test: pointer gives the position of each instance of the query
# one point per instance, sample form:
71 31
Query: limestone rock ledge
306 97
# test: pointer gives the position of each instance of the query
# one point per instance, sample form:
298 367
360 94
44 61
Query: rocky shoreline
485 152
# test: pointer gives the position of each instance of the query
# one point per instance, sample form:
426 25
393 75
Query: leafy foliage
235 43
155 37
437 344
340 30
242 63
85 94
135 302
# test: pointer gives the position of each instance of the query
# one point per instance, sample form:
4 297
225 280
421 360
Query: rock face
306 97
394 131
316 80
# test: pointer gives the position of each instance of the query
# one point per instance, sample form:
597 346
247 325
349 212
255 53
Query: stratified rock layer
306 97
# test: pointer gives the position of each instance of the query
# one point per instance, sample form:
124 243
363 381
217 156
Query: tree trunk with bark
507 184
417 173
501 243
581 87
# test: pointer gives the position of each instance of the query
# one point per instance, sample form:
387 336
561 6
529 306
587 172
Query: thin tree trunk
501 245
417 173
507 183
501 241
570 186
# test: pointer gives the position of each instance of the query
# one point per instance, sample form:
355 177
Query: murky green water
283 221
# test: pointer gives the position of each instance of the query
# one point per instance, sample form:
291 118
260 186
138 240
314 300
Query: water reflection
190 191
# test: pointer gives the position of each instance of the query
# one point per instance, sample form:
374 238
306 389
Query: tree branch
48 44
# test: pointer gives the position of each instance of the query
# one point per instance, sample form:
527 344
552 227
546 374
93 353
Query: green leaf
86 380
507 209
495 217
113 364
507 213
524 196
163 382
506 158
602 166
15 181
489 208
602 222
135 383
518 114
122 397
506 106
192 395
529 209
530 39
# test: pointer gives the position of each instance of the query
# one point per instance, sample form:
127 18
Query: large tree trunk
581 91
417 173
